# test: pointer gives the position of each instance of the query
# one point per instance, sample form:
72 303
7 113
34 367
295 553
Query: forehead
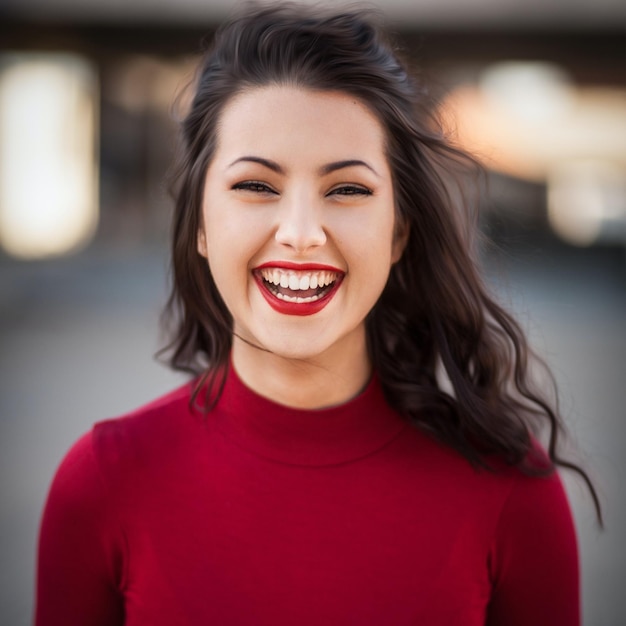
288 119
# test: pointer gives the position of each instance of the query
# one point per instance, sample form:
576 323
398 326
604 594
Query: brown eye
351 190
254 186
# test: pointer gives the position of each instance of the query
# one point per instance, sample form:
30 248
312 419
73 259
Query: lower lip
296 308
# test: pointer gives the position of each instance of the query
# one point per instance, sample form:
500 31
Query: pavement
78 335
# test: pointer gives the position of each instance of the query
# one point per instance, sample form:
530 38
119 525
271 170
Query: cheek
375 252
369 265
373 237
233 240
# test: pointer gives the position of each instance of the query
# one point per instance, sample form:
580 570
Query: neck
302 383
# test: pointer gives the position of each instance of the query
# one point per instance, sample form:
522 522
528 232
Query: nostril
301 236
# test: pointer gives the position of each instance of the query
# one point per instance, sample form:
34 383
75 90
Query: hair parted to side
435 313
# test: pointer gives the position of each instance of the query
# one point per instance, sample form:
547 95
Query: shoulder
160 421
535 497
102 481
525 524
117 447
535 514
499 499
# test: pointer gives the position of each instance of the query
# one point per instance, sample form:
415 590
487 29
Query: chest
249 543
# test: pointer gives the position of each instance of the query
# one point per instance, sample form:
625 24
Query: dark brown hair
434 320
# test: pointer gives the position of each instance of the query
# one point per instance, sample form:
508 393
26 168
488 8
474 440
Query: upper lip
301 267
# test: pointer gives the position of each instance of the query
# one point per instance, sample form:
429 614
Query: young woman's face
298 220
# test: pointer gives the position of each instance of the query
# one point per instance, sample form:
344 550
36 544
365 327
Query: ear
202 248
400 239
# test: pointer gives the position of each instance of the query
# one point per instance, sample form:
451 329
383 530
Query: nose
300 225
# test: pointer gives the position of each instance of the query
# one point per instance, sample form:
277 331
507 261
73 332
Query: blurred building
537 89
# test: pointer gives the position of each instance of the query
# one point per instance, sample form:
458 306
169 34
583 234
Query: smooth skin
300 176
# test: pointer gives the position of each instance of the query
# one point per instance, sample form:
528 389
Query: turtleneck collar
329 436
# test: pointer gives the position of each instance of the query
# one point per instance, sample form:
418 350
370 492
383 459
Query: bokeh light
48 164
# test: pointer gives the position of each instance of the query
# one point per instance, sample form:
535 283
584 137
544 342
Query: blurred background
535 88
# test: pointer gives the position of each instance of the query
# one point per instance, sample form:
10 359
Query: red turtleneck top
262 515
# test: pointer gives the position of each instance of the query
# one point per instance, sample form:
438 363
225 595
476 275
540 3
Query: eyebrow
338 165
324 170
272 165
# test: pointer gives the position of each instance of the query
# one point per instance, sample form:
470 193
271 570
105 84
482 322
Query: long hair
447 355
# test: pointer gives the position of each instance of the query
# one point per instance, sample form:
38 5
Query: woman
356 445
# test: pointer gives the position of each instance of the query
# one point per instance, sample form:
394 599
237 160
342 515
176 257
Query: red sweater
263 515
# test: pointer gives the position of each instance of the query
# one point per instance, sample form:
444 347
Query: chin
295 352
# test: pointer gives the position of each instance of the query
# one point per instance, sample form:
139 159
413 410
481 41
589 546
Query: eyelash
351 190
256 186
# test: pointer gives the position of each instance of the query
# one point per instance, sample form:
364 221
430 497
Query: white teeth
296 299
298 281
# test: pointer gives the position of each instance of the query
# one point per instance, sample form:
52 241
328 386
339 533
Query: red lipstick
300 267
282 299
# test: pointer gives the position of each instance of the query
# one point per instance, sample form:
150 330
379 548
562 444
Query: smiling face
298 222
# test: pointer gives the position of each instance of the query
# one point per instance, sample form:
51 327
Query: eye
350 190
254 186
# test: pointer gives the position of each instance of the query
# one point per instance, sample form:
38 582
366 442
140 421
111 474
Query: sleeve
79 560
534 558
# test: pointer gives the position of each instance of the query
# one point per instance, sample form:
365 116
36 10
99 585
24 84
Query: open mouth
288 289
300 287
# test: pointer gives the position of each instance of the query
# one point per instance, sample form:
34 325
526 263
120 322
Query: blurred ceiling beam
462 14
